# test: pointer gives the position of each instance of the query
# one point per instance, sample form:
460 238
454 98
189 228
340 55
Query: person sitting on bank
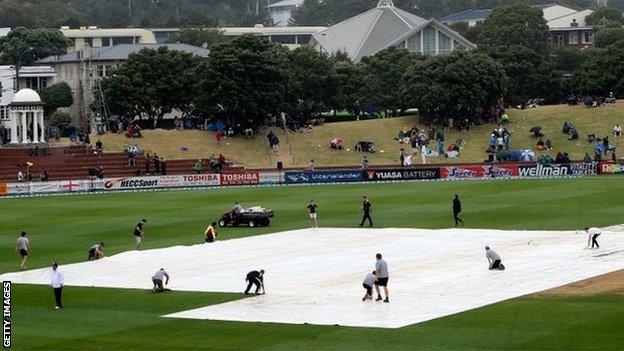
96 251
211 233
494 260
157 280
541 145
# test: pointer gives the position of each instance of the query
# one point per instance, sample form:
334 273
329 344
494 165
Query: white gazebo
27 118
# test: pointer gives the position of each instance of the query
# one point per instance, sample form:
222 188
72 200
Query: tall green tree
383 73
461 83
244 80
515 25
530 74
198 36
56 96
23 46
16 13
313 85
603 72
607 36
151 84
605 16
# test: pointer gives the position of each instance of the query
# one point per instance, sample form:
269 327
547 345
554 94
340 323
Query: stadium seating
74 162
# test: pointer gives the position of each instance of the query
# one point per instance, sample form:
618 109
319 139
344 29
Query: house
95 37
291 37
281 11
567 26
83 68
30 77
385 26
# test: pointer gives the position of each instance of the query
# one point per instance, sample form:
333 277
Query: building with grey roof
385 26
281 11
83 68
566 25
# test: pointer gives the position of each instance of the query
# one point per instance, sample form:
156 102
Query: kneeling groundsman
494 260
96 251
157 280
255 278
368 283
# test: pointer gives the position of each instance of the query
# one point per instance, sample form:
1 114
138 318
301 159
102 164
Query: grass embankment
314 145
62 228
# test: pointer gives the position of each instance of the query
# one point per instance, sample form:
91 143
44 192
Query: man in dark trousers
457 208
57 282
367 209
255 278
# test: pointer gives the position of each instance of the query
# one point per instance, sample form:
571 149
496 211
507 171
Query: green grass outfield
62 228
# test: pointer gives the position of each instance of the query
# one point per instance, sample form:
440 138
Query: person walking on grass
157 280
457 208
22 246
313 214
57 283
368 283
255 278
139 233
593 234
367 209
381 267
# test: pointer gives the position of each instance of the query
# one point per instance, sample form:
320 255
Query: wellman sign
558 170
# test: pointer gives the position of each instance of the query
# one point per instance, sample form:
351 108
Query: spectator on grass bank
617 131
218 137
156 160
57 282
587 158
45 176
311 166
199 168
365 163
157 280
403 157
99 147
147 163
163 166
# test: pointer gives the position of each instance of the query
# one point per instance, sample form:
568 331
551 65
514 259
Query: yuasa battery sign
402 174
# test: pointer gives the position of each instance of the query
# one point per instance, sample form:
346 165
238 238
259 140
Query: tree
383 72
135 90
16 13
603 72
198 36
516 25
312 85
23 46
605 16
56 96
350 78
244 80
59 117
607 36
470 33
530 74
459 84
